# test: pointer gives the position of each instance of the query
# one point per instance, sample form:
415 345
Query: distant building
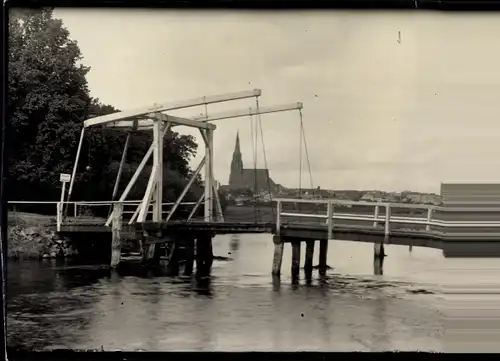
256 180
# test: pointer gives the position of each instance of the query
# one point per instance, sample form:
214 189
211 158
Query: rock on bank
35 242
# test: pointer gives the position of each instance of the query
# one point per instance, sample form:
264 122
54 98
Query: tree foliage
48 101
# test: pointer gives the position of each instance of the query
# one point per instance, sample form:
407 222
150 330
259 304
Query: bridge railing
129 210
71 212
389 216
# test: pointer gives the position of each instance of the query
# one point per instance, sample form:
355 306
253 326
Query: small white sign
65 177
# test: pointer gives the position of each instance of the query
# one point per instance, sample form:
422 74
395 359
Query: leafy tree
48 100
47 104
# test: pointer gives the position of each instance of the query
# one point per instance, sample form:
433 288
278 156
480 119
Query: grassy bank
33 236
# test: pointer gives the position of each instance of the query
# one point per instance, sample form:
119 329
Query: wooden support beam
180 121
278 255
204 255
158 164
295 259
146 125
375 224
323 256
308 263
248 112
170 106
147 196
329 221
378 266
387 225
116 245
156 191
218 206
209 156
378 250
429 218
120 169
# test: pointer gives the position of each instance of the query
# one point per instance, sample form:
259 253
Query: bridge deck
315 231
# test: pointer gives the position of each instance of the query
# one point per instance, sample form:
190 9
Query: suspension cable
254 155
300 155
264 151
307 154
257 185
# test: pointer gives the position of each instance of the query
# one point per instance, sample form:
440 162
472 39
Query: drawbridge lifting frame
154 119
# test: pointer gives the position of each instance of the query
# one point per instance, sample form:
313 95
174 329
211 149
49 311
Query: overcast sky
378 113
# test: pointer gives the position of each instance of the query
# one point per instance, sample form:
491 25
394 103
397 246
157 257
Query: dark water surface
60 305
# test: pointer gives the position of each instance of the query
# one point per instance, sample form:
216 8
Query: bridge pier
323 259
308 263
116 241
378 250
278 255
378 266
204 255
279 243
295 259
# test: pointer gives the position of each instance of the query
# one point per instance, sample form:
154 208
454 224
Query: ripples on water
53 305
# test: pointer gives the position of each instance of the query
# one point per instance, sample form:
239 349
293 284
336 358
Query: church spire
236 163
237 146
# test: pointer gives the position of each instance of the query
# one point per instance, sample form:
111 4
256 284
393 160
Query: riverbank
32 236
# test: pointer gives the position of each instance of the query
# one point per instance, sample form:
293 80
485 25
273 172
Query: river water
54 305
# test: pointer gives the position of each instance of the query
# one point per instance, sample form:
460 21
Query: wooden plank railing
128 208
320 210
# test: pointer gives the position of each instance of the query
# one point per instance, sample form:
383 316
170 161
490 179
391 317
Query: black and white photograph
243 180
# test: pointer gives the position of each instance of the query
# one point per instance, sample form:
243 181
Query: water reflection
276 280
235 242
380 341
239 308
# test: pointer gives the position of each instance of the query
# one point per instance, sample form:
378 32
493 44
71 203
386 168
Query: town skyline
245 179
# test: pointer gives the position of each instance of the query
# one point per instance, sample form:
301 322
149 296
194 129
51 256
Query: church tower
236 164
